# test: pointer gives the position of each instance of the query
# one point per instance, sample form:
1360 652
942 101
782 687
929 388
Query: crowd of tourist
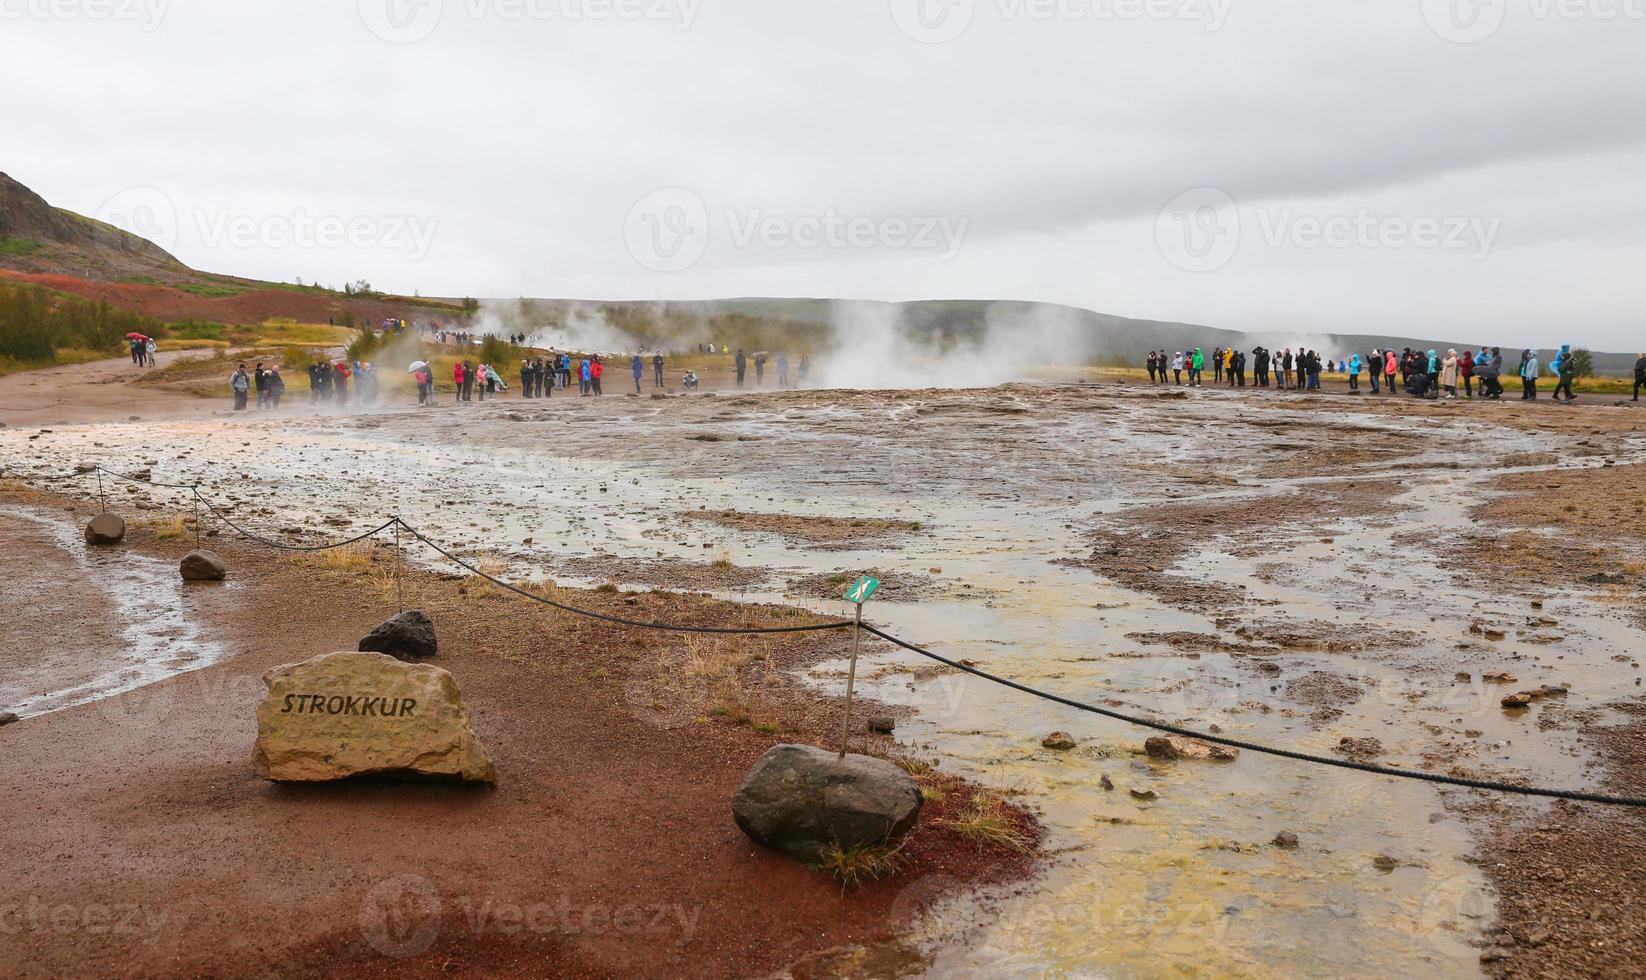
1421 374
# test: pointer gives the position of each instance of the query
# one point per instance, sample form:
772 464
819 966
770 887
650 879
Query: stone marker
202 566
1060 741
7 717
799 800
1169 748
355 714
408 636
106 529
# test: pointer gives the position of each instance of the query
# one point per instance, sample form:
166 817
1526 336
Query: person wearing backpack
239 384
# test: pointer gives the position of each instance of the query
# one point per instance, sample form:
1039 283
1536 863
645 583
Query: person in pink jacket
1391 365
457 376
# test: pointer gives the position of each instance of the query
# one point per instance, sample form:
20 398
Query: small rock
1385 863
1535 937
881 725
1146 795
7 717
105 529
1061 741
1498 677
1285 840
1106 782
202 566
1517 700
1170 748
408 636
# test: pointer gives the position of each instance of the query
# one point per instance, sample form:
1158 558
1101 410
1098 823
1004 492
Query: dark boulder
106 529
799 800
408 636
202 566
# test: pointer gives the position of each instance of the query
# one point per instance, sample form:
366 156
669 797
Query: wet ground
1294 571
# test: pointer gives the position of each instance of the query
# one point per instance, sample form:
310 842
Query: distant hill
36 237
69 253
812 323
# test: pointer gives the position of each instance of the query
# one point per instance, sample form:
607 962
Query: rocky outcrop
408 636
358 714
106 529
801 800
202 566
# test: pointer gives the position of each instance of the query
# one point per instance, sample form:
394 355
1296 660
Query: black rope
1559 794
281 546
1430 777
668 627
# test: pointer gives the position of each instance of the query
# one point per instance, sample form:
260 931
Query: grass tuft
985 823
858 866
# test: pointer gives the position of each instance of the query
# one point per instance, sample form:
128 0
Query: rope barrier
399 524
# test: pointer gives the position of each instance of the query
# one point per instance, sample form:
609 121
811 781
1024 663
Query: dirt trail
98 391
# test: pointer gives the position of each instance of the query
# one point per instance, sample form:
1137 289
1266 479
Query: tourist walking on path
259 381
1374 369
596 369
1640 375
638 368
742 364
1177 367
657 370
239 384
1466 371
1354 371
1528 375
1565 373
782 370
1195 367
276 387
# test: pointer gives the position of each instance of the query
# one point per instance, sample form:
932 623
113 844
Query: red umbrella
136 336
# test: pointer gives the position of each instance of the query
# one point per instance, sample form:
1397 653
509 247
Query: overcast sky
1444 167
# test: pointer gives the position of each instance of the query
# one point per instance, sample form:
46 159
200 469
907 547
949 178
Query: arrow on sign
862 589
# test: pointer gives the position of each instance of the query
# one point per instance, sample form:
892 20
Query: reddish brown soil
1569 901
138 841
253 306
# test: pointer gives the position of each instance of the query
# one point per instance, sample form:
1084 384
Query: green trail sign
862 589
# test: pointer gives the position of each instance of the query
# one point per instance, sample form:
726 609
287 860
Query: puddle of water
160 638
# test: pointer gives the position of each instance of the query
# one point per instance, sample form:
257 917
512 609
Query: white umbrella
417 366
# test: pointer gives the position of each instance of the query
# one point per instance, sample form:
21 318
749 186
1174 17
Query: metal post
399 596
196 519
851 681
102 501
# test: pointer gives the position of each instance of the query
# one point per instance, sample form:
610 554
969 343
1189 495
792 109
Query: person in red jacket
596 369
457 376
1466 371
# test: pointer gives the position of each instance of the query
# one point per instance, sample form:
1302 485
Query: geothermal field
1363 579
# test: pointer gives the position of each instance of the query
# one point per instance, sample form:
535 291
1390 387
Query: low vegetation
861 865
